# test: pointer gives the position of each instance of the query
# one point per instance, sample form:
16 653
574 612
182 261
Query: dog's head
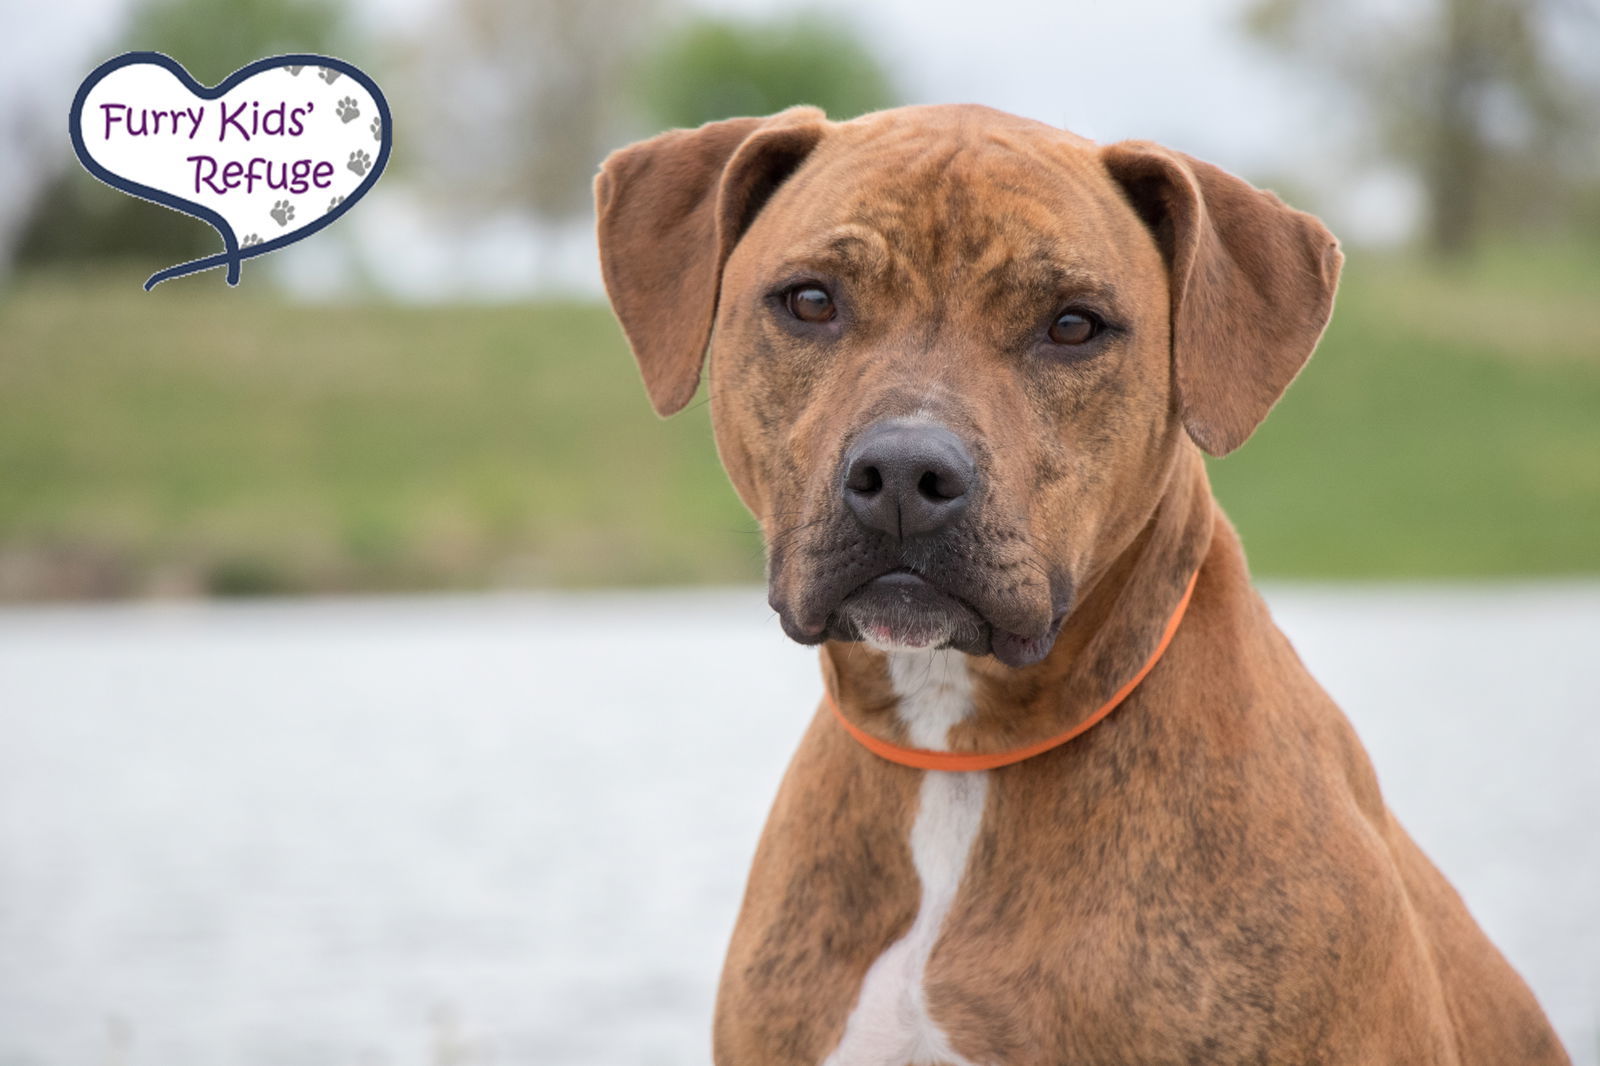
954 353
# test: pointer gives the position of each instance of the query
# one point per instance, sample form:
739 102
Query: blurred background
252 812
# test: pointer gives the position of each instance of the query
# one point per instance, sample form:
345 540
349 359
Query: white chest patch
890 1025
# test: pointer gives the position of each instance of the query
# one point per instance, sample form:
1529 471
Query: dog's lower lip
905 582
900 577
902 608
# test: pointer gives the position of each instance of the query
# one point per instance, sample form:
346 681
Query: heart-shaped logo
269 156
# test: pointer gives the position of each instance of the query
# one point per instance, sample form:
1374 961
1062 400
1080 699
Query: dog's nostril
938 489
865 479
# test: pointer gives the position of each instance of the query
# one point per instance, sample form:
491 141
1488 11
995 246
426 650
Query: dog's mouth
902 609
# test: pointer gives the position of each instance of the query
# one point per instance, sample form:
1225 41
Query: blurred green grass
198 439
214 440
1448 426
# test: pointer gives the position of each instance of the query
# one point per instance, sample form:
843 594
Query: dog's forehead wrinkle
942 216
854 245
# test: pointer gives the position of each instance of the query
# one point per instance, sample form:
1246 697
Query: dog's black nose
908 478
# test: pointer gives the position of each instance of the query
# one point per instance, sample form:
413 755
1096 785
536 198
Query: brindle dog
962 369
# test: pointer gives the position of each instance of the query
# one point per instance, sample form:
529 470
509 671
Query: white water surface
509 830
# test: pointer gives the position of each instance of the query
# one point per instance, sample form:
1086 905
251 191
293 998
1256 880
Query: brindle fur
1209 875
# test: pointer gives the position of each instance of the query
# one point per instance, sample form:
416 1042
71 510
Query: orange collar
923 759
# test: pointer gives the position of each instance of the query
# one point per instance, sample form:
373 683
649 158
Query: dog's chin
902 611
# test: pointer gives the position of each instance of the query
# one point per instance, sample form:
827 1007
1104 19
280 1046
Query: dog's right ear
669 211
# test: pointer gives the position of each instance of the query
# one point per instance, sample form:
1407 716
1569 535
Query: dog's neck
947 701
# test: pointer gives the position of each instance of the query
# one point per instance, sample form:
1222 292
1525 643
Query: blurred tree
517 102
75 217
1489 103
714 68
213 40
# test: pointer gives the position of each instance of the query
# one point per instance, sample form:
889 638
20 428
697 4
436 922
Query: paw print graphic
252 239
333 203
347 109
294 70
377 129
359 161
282 212
327 74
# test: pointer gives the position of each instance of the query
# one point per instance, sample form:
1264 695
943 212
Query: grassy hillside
203 439
1447 426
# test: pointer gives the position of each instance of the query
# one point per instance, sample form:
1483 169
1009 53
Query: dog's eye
810 303
1075 327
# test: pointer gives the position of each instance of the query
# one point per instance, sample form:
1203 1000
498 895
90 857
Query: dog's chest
890 1023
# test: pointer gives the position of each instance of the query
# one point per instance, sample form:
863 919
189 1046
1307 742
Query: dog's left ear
1252 284
669 211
